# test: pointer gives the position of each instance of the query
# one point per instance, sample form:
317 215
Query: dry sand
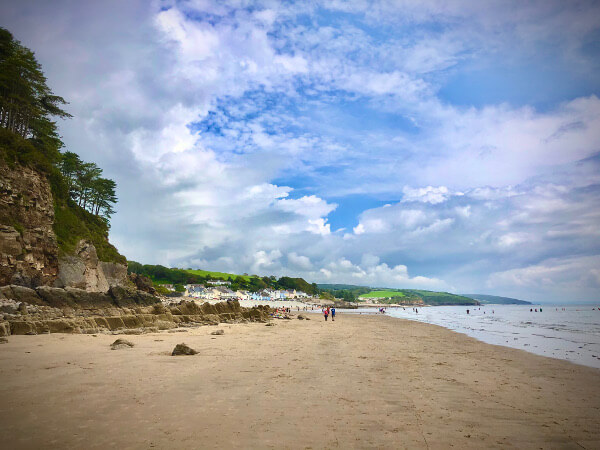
360 382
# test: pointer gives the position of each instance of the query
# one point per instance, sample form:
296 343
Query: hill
355 293
253 283
496 300
383 293
217 275
339 287
415 296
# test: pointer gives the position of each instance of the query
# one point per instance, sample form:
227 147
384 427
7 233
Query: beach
363 381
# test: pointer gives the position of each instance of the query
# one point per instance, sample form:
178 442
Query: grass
71 224
223 275
382 294
430 293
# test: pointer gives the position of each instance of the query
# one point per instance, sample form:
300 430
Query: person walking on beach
326 313
333 314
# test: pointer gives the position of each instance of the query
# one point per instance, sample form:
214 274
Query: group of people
329 311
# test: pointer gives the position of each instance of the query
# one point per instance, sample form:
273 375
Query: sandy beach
361 382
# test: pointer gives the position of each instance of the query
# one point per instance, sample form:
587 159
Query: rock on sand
121 343
183 349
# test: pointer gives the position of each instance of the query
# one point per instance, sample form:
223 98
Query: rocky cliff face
29 253
28 248
84 270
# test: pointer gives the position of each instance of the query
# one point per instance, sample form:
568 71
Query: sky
447 146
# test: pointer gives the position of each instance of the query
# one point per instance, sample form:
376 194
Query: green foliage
408 296
86 186
217 275
298 284
161 290
20 228
15 150
326 295
71 224
28 137
347 292
26 102
163 275
384 293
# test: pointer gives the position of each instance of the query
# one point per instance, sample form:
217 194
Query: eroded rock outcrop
29 252
83 270
54 310
28 247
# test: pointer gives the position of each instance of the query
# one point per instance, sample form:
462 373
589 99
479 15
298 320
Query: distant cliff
496 300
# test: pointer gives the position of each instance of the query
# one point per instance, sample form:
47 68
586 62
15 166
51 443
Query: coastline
360 382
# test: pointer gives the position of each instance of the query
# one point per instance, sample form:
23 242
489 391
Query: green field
385 293
418 295
223 275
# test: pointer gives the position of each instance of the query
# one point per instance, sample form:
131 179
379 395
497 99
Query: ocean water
572 333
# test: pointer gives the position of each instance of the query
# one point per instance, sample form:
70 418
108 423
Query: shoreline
359 382
575 342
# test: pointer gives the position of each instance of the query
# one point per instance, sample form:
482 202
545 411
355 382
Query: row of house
224 293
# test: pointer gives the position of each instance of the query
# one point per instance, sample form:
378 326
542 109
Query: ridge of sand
361 382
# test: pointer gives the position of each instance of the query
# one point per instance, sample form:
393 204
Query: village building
219 282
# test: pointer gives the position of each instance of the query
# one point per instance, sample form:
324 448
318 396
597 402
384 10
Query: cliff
32 255
28 247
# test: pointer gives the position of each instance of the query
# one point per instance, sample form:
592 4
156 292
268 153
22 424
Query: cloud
553 276
240 137
427 194
299 262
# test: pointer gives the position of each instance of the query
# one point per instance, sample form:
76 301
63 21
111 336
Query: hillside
383 293
355 293
413 296
253 283
217 275
496 300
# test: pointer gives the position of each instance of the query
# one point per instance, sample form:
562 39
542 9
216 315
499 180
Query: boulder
4 328
3 340
301 317
121 343
143 283
21 294
22 327
183 349
218 333
55 297
124 298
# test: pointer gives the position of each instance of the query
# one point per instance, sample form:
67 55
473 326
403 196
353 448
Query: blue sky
439 145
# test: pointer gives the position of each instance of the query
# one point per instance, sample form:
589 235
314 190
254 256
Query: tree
26 102
86 187
69 165
103 196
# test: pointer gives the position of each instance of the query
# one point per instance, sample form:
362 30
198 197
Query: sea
569 332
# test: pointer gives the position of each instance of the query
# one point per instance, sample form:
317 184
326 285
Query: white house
219 282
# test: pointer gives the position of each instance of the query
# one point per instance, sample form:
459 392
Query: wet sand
360 382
